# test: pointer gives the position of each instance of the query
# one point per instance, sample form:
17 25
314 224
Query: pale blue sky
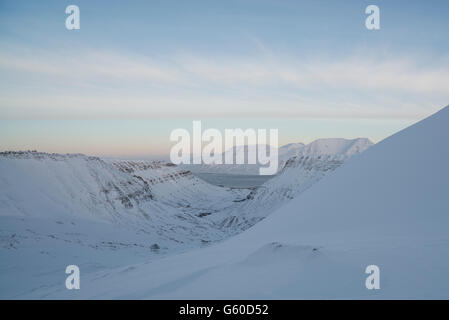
138 69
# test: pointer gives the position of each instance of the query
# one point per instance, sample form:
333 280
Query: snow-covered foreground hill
388 207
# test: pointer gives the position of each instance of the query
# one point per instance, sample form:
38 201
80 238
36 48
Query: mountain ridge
325 146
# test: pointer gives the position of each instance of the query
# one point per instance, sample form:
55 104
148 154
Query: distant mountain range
336 147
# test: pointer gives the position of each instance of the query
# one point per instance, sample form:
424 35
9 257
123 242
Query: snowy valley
387 207
60 209
151 230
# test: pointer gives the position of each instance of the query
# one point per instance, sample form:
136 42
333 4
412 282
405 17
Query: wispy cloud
102 83
355 72
92 64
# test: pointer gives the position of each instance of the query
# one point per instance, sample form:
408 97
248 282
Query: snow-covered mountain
343 148
306 165
152 197
386 207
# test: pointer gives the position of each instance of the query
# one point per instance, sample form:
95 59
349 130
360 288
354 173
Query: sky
136 70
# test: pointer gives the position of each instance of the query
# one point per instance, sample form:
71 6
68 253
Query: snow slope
388 206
